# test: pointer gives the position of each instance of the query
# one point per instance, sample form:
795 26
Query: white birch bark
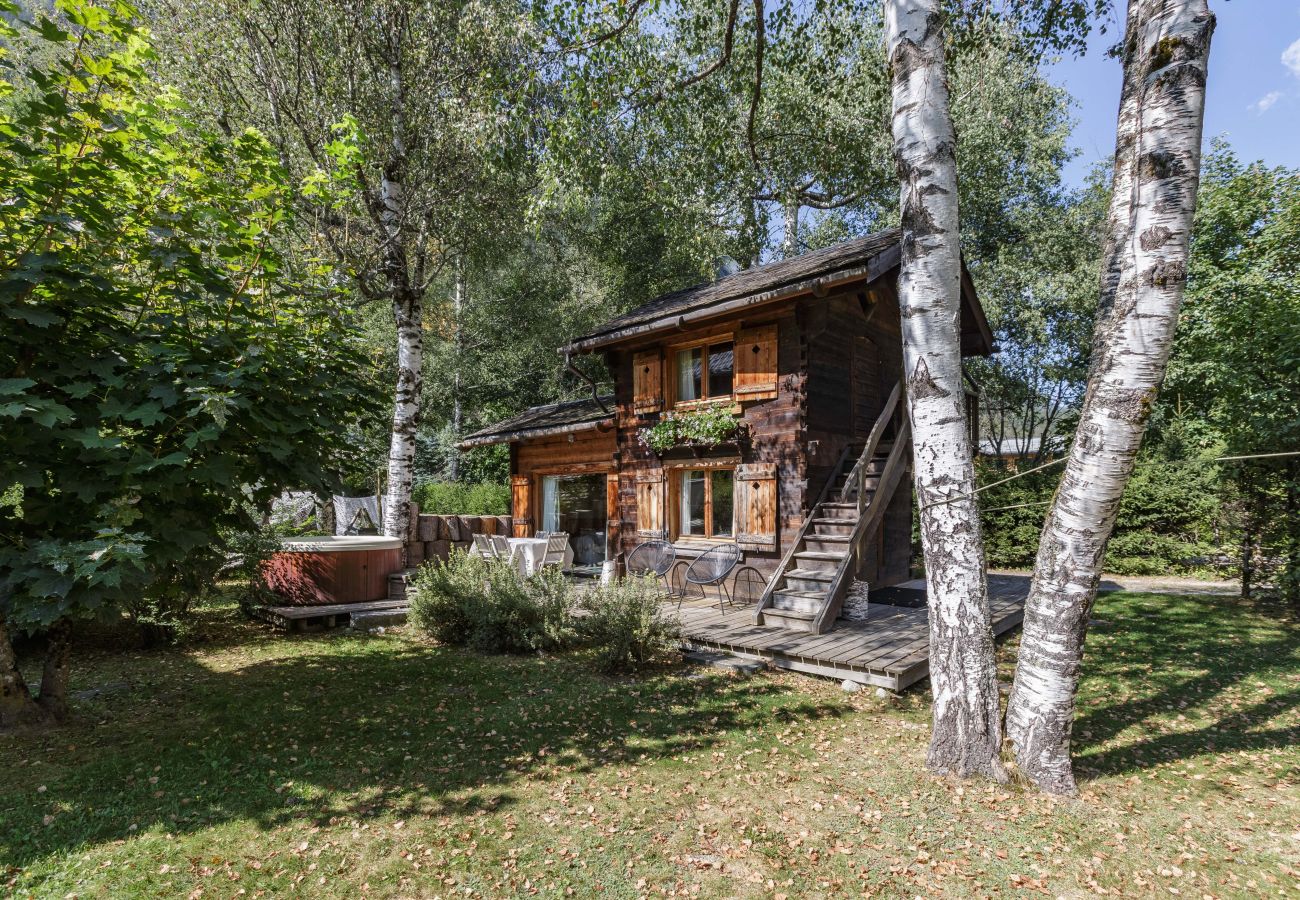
790 235
1158 144
966 737
408 317
406 417
457 413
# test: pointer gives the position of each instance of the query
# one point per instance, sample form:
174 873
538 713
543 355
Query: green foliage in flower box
707 427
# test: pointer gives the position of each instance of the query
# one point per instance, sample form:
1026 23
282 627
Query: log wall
434 537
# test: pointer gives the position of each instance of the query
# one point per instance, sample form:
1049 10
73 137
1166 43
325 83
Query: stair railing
866 526
788 560
859 471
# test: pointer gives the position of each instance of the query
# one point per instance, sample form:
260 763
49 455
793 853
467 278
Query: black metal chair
747 585
652 558
712 567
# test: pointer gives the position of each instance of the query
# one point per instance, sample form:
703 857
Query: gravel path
1152 584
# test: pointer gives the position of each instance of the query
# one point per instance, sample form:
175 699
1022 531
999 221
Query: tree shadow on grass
1183 655
345 728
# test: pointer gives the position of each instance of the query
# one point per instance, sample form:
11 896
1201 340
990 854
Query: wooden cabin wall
776 429
854 359
580 453
567 454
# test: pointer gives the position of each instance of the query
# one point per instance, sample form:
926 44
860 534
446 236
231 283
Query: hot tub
340 569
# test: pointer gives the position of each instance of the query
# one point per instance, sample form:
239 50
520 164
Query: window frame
676 483
672 353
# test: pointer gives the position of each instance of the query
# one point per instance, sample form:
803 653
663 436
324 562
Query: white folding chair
556 543
482 547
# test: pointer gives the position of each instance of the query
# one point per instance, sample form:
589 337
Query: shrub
1165 522
626 624
447 498
483 604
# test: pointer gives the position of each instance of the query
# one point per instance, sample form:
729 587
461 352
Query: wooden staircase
808 588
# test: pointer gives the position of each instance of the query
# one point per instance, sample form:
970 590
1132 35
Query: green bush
483 604
626 623
1012 514
446 498
1165 524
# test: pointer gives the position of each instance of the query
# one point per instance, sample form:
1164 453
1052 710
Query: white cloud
1265 103
1291 57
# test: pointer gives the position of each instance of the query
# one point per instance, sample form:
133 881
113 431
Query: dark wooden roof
540 421
767 282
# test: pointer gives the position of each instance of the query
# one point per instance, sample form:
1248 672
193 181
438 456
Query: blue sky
1254 85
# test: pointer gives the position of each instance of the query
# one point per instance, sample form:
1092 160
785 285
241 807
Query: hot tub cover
339 543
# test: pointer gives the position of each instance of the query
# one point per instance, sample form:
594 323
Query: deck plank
889 647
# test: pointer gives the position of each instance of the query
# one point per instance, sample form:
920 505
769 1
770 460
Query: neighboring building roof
540 421
866 257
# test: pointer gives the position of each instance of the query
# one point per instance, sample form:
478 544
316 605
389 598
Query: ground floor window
704 502
576 504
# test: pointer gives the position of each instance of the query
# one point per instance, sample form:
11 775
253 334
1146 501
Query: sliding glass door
576 504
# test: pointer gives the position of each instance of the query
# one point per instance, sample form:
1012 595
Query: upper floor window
705 372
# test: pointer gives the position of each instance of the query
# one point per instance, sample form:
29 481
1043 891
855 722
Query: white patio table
528 553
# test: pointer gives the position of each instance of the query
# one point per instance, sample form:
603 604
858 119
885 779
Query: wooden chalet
807 355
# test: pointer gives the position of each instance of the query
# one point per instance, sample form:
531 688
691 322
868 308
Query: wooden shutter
647 382
650 505
521 504
756 510
755 377
612 523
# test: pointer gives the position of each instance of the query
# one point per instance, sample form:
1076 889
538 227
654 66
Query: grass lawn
255 764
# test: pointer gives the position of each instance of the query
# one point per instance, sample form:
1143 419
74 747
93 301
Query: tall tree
1157 167
967 735
1234 370
164 370
406 124
1040 295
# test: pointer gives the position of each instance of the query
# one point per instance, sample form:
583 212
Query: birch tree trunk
407 314
1157 171
790 235
457 413
966 737
390 212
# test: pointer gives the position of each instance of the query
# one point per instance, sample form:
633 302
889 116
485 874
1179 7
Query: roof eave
873 268
506 437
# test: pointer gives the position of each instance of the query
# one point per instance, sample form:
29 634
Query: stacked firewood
434 537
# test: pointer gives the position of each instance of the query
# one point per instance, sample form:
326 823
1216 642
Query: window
705 507
576 504
705 372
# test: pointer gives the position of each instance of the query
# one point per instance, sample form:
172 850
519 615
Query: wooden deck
889 649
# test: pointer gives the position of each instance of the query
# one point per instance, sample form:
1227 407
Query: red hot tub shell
338 569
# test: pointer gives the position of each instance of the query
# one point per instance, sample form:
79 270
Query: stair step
826 543
798 601
813 559
814 580
789 619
